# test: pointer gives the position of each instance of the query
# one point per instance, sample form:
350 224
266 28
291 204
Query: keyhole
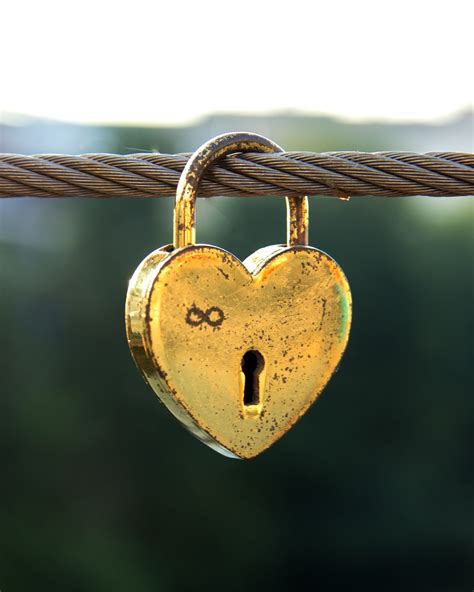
252 366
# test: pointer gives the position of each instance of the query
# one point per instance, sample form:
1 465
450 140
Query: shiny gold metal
186 194
237 351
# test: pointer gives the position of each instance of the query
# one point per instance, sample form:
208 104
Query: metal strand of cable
340 174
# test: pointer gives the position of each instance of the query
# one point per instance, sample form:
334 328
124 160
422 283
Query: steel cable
341 174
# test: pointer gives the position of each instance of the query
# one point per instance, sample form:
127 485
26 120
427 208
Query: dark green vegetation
101 490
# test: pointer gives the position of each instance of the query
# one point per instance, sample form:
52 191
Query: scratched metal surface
194 314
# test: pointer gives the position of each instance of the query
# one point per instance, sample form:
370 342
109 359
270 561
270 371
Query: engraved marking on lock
213 316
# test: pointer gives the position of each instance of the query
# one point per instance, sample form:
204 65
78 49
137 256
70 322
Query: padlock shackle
208 153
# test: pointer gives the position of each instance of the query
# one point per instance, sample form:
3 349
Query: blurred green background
101 490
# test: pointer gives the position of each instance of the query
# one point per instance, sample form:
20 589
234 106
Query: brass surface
292 305
237 351
186 193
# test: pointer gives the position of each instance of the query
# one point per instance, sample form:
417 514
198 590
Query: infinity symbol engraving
213 316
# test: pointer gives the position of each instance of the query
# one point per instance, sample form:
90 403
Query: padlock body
238 351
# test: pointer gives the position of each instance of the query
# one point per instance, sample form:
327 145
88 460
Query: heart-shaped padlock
237 351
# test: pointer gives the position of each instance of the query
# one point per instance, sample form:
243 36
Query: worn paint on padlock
194 315
238 351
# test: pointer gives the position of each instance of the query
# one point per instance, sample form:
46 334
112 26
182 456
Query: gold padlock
237 351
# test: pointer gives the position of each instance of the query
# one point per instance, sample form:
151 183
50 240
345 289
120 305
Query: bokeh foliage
102 490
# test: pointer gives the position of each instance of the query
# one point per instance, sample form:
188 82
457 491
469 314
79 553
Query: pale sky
170 62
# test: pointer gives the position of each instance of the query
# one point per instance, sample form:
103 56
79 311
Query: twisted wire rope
340 174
